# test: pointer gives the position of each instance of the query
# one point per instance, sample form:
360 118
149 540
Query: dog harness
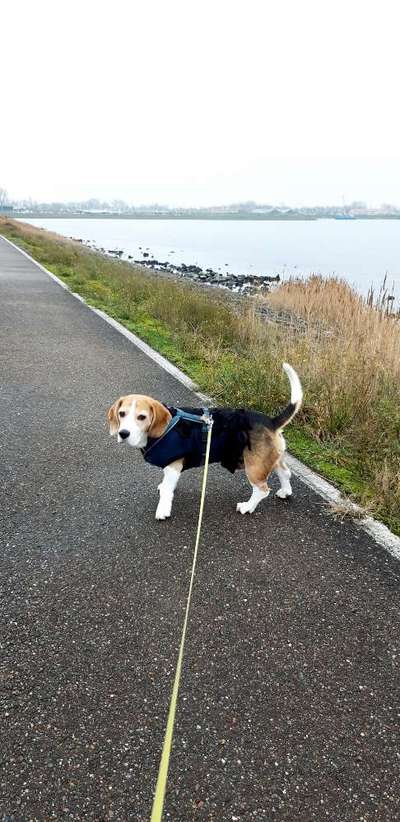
186 434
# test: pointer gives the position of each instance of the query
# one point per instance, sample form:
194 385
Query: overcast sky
205 102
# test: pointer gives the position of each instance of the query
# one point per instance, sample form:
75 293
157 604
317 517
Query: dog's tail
295 400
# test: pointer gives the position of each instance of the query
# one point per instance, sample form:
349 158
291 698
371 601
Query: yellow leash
159 796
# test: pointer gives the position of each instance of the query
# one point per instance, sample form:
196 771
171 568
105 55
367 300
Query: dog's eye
141 416
122 413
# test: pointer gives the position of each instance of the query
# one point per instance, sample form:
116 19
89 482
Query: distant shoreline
143 216
229 216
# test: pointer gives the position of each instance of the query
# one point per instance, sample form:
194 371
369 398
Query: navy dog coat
186 440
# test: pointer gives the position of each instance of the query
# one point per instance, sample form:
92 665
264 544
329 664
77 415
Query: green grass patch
329 461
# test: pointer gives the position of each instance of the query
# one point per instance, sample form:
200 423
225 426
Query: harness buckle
207 419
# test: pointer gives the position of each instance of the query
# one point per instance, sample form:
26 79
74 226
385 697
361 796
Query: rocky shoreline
237 283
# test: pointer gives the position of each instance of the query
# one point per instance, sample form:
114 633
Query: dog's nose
124 434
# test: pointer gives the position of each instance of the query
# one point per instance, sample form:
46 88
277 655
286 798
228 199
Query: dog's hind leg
167 488
284 475
260 492
258 468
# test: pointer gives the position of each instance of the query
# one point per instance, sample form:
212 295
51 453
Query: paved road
289 707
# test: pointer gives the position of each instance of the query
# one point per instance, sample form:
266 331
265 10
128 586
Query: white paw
283 494
243 508
163 512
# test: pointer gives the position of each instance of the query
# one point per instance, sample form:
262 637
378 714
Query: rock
240 284
190 269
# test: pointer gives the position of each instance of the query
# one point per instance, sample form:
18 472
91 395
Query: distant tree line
96 206
3 197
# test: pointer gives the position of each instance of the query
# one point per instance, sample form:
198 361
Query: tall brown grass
350 366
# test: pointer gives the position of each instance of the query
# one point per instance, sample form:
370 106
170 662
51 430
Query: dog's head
136 417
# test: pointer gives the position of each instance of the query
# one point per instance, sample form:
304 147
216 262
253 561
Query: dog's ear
112 416
161 417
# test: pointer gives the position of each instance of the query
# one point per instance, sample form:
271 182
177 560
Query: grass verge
346 351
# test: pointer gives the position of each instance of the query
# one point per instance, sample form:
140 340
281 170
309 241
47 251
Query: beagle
240 439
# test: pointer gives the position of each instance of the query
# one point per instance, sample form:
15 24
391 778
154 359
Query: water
361 251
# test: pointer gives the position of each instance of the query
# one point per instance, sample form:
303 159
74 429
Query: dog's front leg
167 488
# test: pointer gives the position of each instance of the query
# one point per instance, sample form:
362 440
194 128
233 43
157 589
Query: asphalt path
289 704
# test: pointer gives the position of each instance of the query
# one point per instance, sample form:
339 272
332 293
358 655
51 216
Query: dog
173 439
